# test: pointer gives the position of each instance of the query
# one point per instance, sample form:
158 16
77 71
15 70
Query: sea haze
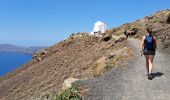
9 61
15 48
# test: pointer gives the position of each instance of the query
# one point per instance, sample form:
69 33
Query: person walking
148 47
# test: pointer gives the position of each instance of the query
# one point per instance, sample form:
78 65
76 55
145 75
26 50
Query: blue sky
46 22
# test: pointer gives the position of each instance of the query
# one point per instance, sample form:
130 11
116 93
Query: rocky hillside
159 22
80 56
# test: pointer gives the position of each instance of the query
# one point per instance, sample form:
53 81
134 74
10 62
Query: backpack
149 43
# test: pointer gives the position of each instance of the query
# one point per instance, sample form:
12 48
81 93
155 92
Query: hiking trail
130 82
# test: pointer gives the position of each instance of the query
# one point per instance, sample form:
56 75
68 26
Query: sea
9 61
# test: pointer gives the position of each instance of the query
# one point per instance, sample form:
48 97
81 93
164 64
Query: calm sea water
11 61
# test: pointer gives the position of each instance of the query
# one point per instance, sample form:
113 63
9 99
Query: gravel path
130 82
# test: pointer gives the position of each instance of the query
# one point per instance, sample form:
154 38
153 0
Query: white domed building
99 28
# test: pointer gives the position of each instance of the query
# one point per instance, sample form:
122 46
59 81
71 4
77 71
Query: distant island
14 48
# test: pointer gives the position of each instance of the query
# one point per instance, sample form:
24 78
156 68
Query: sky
46 22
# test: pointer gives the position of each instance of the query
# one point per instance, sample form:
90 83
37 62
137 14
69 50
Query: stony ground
129 82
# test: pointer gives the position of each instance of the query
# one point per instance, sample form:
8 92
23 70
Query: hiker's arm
142 43
155 42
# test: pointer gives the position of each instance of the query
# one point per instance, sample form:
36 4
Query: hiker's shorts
145 52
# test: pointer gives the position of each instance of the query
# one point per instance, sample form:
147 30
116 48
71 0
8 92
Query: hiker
149 46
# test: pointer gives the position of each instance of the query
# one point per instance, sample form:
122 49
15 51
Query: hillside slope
159 22
76 57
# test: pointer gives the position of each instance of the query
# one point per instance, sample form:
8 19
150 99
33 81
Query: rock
107 37
111 55
68 83
38 55
83 90
167 17
119 38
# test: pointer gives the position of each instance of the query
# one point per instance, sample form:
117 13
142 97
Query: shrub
109 67
69 94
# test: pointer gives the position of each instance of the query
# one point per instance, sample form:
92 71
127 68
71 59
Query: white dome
99 27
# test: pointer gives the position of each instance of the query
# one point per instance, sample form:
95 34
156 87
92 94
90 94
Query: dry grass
99 66
105 63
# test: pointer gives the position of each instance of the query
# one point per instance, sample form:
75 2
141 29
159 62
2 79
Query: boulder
38 55
119 38
107 37
68 83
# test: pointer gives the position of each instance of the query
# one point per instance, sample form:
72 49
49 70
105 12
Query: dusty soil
129 82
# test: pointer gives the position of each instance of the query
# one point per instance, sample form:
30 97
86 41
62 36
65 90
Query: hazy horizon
23 46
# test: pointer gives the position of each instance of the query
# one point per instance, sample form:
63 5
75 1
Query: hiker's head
149 30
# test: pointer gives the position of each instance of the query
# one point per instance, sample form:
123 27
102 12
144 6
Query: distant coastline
13 48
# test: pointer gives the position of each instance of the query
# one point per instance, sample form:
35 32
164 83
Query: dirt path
130 82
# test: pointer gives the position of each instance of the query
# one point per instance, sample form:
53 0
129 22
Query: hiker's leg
150 63
147 63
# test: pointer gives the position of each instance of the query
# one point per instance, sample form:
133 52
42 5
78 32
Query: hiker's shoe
150 76
146 73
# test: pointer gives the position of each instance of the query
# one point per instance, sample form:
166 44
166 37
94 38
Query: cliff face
76 57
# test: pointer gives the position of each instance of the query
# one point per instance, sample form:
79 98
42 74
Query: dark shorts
149 52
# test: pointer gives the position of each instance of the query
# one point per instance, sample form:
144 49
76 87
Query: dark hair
149 30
